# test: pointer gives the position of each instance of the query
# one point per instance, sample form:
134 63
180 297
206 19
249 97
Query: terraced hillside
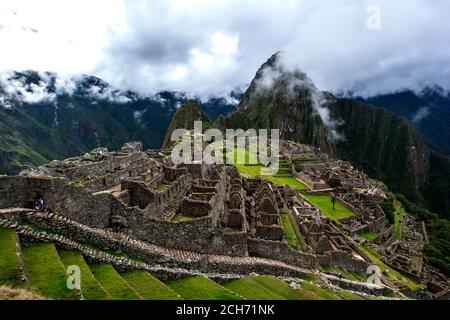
39 270
243 160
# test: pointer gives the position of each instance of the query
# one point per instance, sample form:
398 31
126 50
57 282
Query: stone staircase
284 167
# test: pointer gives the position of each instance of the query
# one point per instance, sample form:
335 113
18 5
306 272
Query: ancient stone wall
195 208
111 164
280 251
59 196
12 193
106 181
343 260
269 232
139 194
172 174
220 268
235 218
98 211
164 198
360 287
197 171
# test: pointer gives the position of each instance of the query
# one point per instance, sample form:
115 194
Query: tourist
41 204
333 201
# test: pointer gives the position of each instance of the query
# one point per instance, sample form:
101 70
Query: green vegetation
319 293
117 287
47 277
354 276
15 149
438 229
31 137
148 287
235 120
251 170
180 217
391 273
309 278
287 181
201 288
371 236
399 214
162 187
46 274
289 232
298 234
323 202
269 288
250 289
334 183
90 287
184 118
10 273
243 157
346 295
394 211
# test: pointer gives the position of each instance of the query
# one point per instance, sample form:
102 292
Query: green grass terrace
252 169
323 202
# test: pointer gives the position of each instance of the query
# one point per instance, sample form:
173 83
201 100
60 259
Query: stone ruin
208 215
267 221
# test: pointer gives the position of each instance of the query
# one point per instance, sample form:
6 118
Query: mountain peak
184 118
280 94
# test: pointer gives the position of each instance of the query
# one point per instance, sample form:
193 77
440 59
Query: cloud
15 88
36 87
283 75
421 114
66 37
211 47
108 94
30 30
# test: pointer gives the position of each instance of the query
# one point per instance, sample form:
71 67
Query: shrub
388 207
334 183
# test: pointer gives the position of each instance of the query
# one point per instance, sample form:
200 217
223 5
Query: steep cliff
428 111
380 142
385 145
279 97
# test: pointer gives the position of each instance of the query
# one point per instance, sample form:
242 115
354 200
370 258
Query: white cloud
69 38
45 87
283 71
18 90
421 114
210 47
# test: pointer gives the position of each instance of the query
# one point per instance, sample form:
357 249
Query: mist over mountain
44 116
385 145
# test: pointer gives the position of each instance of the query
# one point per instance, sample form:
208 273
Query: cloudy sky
213 46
